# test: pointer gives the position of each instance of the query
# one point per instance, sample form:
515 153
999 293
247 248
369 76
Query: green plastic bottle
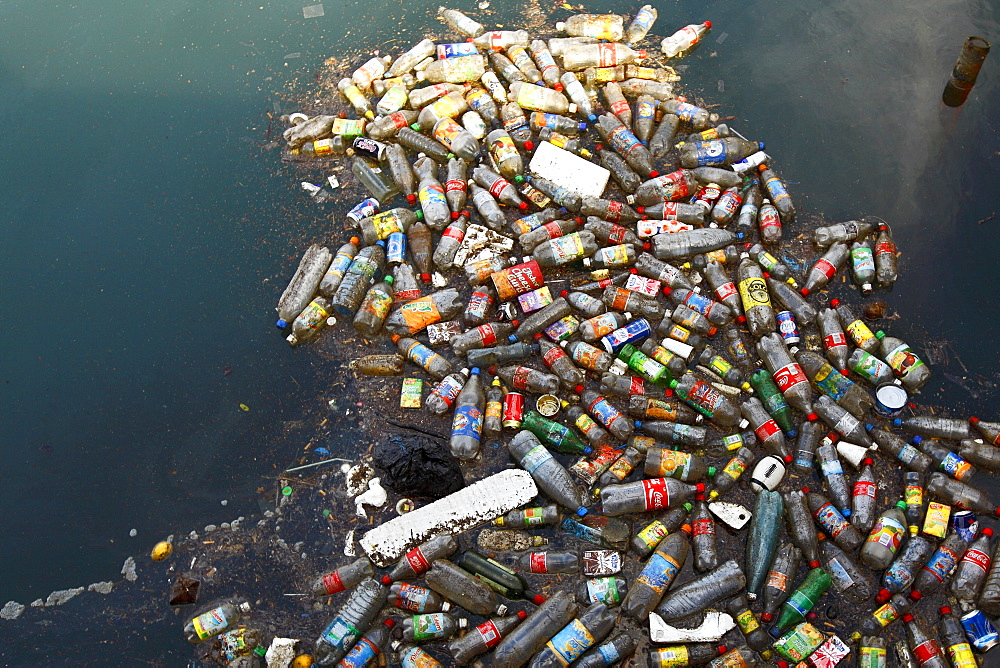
559 436
765 528
797 606
645 366
773 400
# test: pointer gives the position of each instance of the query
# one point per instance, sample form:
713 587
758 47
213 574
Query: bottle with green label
644 366
217 620
529 517
803 599
885 537
871 652
607 590
559 436
431 626
905 364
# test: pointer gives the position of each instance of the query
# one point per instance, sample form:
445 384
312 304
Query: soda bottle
605 413
863 266
495 575
727 477
404 285
755 297
902 572
576 638
657 575
706 400
431 626
646 540
885 257
893 608
609 653
546 64
970 574
414 316
940 565
550 562
695 595
644 495
863 498
449 243
414 598
957 493
581 56
460 23
302 288
411 656
374 309
684 41
842 422
763 541
459 586
802 600
748 624
716 312
946 460
467 423
215 621
352 619
444 393
555 434
768 432
797 521
335 273
623 466
716 152
832 521
662 139
518 54
528 637
833 474
955 640
616 102
598 26
778 193
529 379
456 70
776 587
551 477
905 363
498 40
407 61
935 427
885 537
924 646
834 339
343 578
851 230
483 638
308 324
901 450
826 267
626 144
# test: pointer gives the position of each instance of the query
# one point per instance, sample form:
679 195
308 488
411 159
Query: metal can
633 333
363 209
787 328
965 524
513 410
890 399
980 631
395 250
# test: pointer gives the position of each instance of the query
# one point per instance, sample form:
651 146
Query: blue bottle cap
582 126
512 338
792 433
587 450
637 423
896 422
917 440
847 512
380 242
581 512
592 118
760 145
474 371
281 324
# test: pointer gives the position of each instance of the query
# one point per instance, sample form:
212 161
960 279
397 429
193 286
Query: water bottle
940 565
581 56
563 197
863 266
460 23
768 432
935 427
352 619
906 453
762 543
626 144
957 493
458 586
838 387
576 638
343 578
778 584
676 464
970 574
214 622
308 324
483 638
374 308
842 422
691 242
467 423
683 42
550 476
335 272
778 193
923 645
547 67
413 598
419 143
650 267
609 653
694 596
797 521
305 282
657 575
460 69
663 137
495 575
946 460
528 637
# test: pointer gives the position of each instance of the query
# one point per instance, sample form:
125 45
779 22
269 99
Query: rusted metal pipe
963 76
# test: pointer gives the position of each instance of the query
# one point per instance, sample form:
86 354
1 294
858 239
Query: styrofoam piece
569 170
733 515
480 502
716 625
281 652
854 454
375 497
481 242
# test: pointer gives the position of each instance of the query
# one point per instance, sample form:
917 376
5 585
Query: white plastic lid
560 26
572 108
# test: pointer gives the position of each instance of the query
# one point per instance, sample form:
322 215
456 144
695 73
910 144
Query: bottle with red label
443 394
552 230
483 638
449 243
724 289
834 339
629 386
684 41
863 498
831 521
556 359
706 554
769 223
970 574
826 267
416 562
616 103
550 563
940 565
416 599
498 187
610 233
657 575
708 401
611 211
954 641
924 646
645 495
528 379
885 257
343 578
768 433
421 248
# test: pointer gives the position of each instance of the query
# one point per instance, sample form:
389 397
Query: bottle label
789 376
586 424
872 657
735 468
566 249
386 223
536 562
710 153
418 563
494 409
767 430
587 355
534 517
977 557
670 657
776 188
361 654
553 355
777 580
612 256
831 519
774 402
860 333
490 634
862 260
377 305
607 53
651 536
621 468
832 383
865 488
498 186
846 424
468 421
411 597
673 463
428 627
941 564
620 300
926 651
563 328
609 653
421 355
913 495
903 360
831 467
834 340
340 634
419 313
768 218
348 127
613 212
824 267
955 466
604 411
623 141
431 195
418 658
747 622
673 186
703 527
332 582
621 106
706 397
603 590
725 291
888 533
655 493
753 292
210 623
571 642
720 365
961 656
535 457
886 615
659 572
646 286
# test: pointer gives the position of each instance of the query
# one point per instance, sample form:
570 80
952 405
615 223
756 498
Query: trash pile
668 445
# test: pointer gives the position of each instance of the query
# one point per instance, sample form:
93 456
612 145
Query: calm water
147 236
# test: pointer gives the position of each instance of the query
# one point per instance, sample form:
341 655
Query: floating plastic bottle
684 40
458 586
924 646
215 621
970 574
351 620
343 578
483 638
550 476
777 587
657 575
576 638
696 595
529 636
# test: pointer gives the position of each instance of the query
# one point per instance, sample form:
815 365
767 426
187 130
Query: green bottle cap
880 335
711 471
901 505
674 384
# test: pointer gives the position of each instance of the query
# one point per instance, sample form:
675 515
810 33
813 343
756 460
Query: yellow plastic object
302 661
161 550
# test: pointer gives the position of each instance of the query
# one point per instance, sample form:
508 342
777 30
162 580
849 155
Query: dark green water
147 236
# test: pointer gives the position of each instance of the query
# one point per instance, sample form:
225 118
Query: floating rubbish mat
599 393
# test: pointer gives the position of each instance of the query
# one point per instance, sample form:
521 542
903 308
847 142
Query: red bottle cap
767 275
867 461
564 293
454 215
708 24
411 199
810 615
529 146
945 610
987 531
653 174
834 303
713 331
426 278
882 596
559 87
667 290
522 206
646 246
633 271
811 417
907 617
973 420
805 292
538 599
805 490
721 649
492 369
537 336
814 564
997 512
342 114
699 497
915 595
787 459
741 319
521 614
681 98
390 622
578 389
845 372
766 616
386 580
700 487
640 210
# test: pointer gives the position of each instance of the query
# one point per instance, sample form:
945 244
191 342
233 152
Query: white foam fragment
716 625
569 170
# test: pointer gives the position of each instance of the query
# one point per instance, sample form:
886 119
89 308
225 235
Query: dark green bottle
773 400
797 606
559 436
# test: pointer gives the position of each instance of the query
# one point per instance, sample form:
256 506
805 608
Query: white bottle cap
572 108
560 26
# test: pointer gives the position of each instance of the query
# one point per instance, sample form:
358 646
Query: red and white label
864 488
454 186
606 55
452 232
488 335
620 107
824 266
553 230
789 376
553 355
399 120
978 558
926 651
703 528
725 291
536 562
834 340
617 233
614 211
498 187
656 493
767 430
637 386
332 583
489 633
417 561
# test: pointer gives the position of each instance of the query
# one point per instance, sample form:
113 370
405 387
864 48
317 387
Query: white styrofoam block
569 170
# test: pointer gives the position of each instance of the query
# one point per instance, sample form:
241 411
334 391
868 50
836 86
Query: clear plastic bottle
833 474
414 316
645 495
956 493
609 653
598 26
467 423
416 599
374 308
768 433
215 621
430 626
546 64
419 143
498 40
343 578
408 60
685 40
970 574
923 645
657 575
695 595
550 476
483 638
755 636
444 393
460 587
304 283
905 364
548 563
458 70
885 538
777 587
885 257
460 23
832 521
528 637
627 145
352 619
941 564
459 141
577 637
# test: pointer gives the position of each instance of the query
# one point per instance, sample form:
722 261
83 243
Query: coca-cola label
332 582
417 561
497 186
789 376
617 233
977 557
705 527
490 634
865 488
767 430
834 340
607 55
614 212
725 291
453 232
926 651
656 493
552 355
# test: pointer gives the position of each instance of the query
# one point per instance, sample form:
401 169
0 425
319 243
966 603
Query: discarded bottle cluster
692 356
